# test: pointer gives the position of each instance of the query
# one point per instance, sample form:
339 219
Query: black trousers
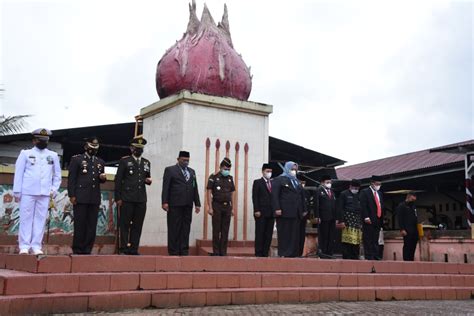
288 232
85 226
220 227
263 235
326 237
370 236
132 215
409 246
302 237
350 251
179 220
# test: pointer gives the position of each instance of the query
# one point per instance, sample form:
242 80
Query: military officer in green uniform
133 173
86 172
220 196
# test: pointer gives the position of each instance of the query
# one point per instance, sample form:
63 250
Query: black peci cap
266 166
183 154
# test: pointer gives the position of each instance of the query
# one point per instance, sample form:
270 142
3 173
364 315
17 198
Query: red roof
417 160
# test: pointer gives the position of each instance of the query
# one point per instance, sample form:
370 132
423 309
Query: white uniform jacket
37 172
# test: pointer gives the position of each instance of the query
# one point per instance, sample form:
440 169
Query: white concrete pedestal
184 122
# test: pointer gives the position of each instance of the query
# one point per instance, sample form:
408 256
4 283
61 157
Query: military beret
138 142
42 133
92 142
183 154
266 166
226 162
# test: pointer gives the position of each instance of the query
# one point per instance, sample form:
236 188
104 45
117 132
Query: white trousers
33 213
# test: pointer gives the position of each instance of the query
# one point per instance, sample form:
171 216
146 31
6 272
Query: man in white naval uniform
37 179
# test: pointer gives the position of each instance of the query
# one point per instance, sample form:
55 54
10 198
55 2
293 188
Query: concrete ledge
206 100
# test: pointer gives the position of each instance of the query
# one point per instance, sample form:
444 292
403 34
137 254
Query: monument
204 85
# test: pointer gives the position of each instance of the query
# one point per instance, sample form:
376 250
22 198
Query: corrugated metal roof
419 160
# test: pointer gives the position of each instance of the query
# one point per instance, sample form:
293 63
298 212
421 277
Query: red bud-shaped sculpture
204 61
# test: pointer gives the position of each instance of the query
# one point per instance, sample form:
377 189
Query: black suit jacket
368 206
325 206
407 218
287 198
83 181
176 190
262 198
130 179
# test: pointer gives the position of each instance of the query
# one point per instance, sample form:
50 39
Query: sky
357 80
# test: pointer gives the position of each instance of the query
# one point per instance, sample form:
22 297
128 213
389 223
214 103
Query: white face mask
354 191
293 173
328 185
267 175
376 187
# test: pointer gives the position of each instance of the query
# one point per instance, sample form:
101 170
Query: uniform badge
217 179
49 159
84 166
218 188
130 171
32 159
146 166
230 180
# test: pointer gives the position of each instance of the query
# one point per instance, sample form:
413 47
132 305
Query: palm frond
12 124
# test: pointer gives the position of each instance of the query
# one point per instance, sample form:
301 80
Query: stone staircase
59 284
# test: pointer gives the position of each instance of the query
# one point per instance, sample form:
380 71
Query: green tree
12 124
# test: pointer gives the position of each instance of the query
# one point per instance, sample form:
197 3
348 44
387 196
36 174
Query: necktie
269 186
330 194
377 202
186 174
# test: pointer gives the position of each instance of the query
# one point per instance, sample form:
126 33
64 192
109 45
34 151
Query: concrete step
116 263
231 251
115 301
22 283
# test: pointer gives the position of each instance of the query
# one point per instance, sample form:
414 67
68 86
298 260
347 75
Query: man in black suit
325 214
180 192
133 173
86 172
408 220
371 203
262 212
288 203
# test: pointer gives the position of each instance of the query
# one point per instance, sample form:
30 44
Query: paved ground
333 308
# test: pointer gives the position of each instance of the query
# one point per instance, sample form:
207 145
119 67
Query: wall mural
61 217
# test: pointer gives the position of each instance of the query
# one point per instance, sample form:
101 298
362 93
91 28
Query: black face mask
183 164
137 152
92 152
41 144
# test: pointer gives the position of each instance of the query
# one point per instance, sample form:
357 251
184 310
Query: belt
223 203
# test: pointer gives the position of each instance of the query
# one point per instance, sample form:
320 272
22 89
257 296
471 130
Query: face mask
42 144
92 152
225 172
184 164
377 187
328 185
267 175
354 191
293 173
137 152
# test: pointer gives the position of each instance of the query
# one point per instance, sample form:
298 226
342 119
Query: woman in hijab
289 207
